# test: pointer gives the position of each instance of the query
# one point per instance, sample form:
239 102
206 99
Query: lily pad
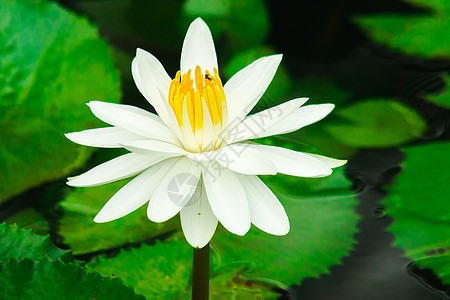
276 92
418 202
215 8
245 24
323 222
418 34
54 280
32 268
19 244
30 219
52 62
83 235
437 5
439 264
442 99
376 123
248 23
163 271
229 283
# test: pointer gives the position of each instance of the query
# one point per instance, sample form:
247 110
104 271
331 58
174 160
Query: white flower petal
294 163
227 199
133 119
254 126
152 81
156 88
331 162
116 169
301 117
202 156
247 86
144 146
246 160
134 194
198 49
197 219
107 137
175 190
266 212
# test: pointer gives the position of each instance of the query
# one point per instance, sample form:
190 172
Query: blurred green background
376 229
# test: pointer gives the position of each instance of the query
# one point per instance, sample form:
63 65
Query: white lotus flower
194 157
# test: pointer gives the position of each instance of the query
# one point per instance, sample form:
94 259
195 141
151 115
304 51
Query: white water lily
194 157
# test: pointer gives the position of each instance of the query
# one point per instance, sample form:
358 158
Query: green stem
200 274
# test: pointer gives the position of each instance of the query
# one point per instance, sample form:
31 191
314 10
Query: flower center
200 107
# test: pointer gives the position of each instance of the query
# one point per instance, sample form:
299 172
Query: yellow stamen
177 106
173 87
213 107
204 94
190 108
219 101
216 77
203 89
198 77
198 110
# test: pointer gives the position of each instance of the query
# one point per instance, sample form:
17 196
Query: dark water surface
375 270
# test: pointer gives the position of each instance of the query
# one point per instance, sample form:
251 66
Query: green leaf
51 63
376 123
216 8
248 23
163 271
278 87
442 99
229 283
419 34
418 202
54 280
20 244
30 219
244 23
439 264
83 235
441 6
323 222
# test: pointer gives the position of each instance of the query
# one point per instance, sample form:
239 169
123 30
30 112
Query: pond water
375 270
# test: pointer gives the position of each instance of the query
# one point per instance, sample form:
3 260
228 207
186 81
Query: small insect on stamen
207 76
